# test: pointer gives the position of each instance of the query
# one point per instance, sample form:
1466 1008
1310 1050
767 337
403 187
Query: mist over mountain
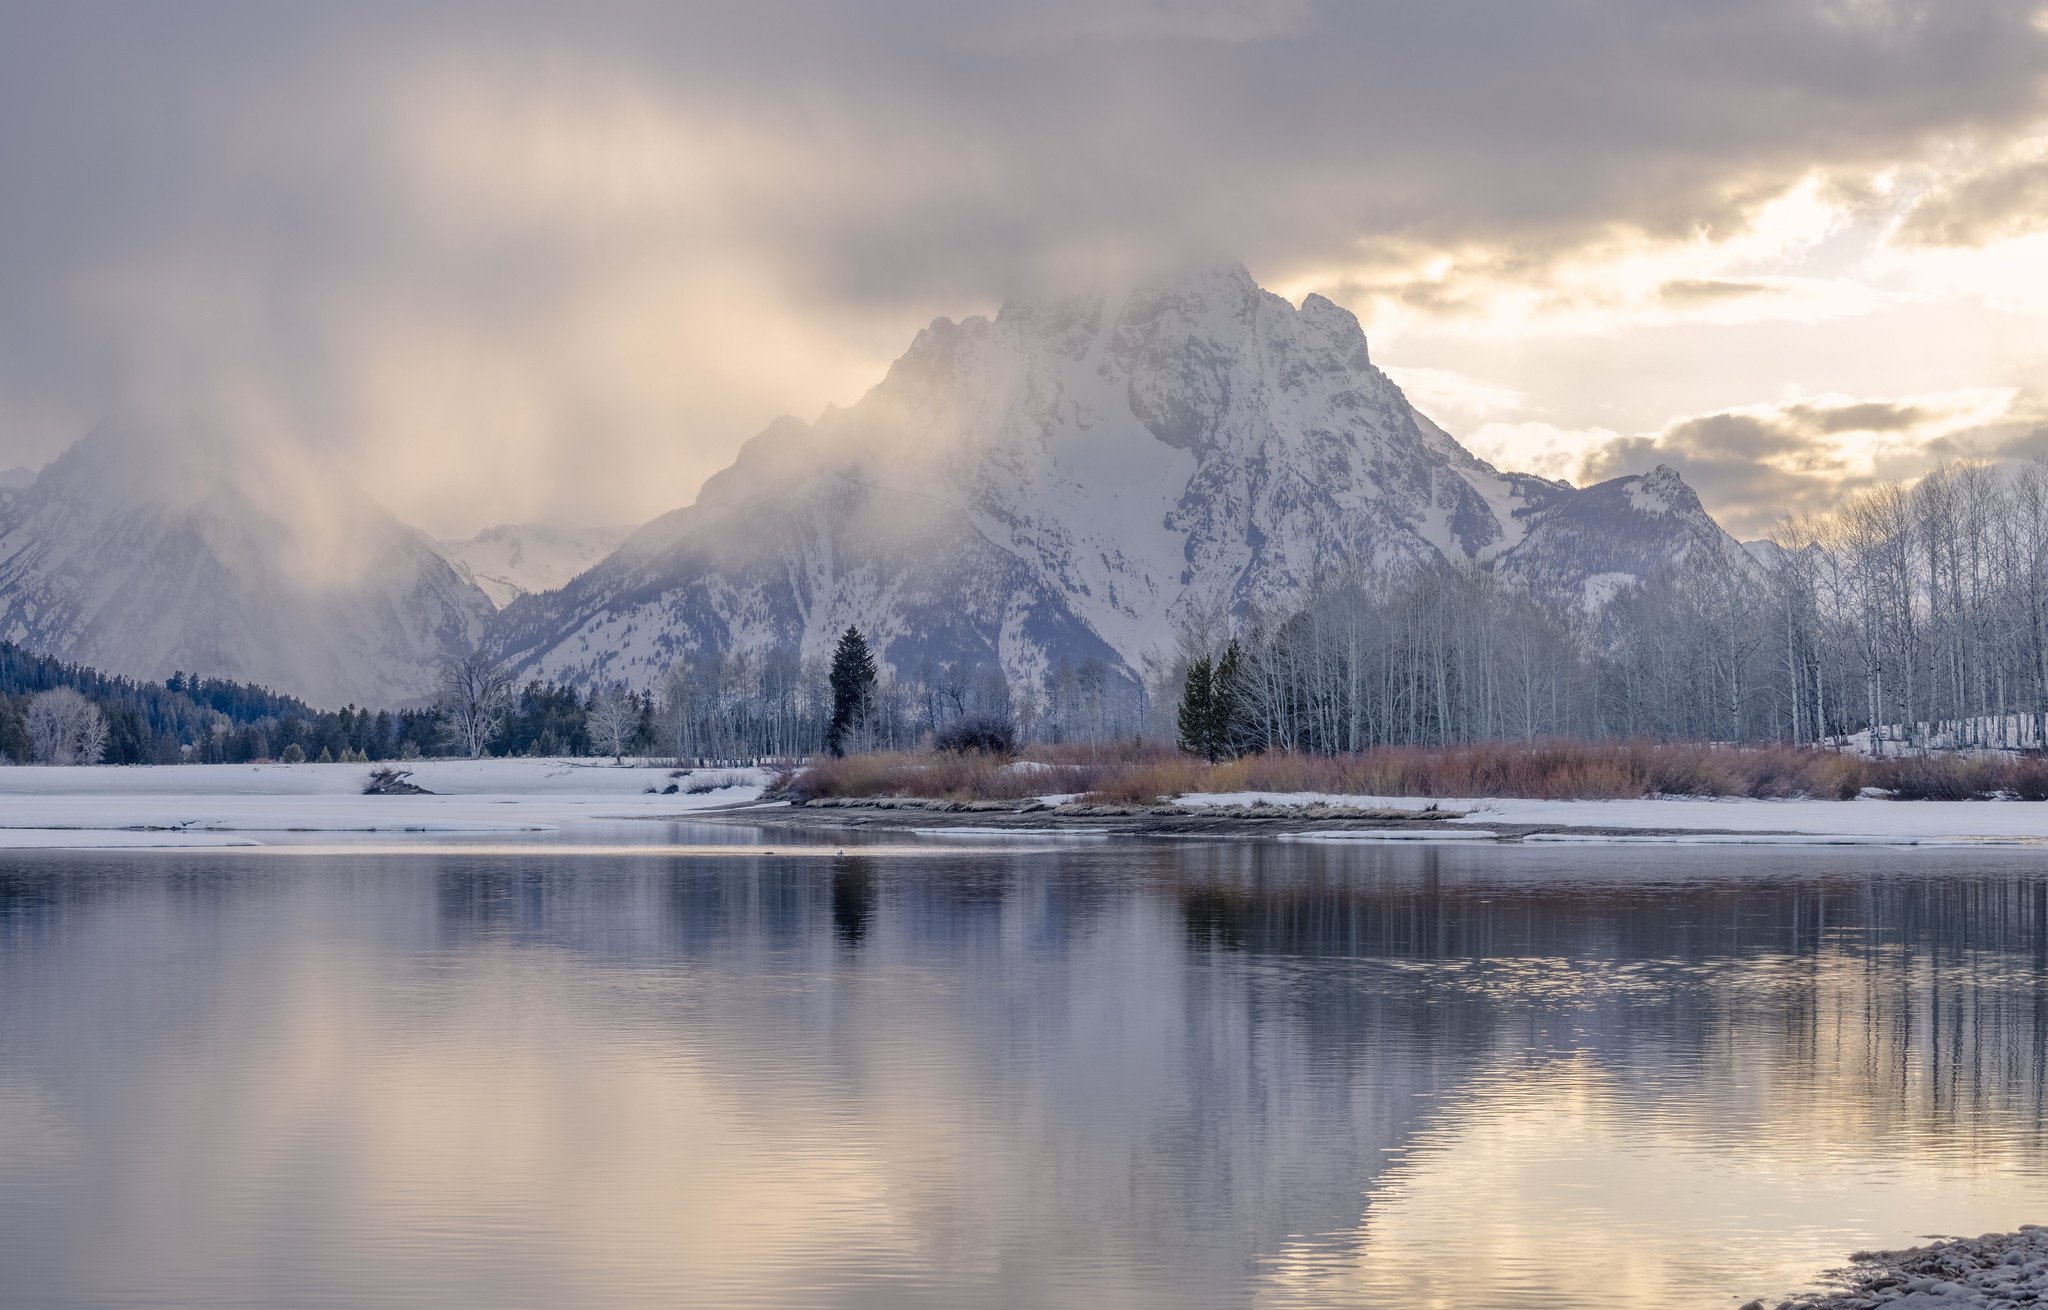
1067 479
1064 482
143 554
512 560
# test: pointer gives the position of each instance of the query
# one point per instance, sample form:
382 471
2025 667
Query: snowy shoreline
1965 1273
228 804
1336 819
188 805
1698 819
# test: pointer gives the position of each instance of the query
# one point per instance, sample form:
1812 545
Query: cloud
1039 25
1624 277
511 261
1545 449
1709 291
1451 398
1756 464
1859 416
2007 199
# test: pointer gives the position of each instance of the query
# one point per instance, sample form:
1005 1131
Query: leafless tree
64 727
473 697
1909 617
614 718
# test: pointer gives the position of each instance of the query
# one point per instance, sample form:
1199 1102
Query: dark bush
1957 777
982 734
2029 779
387 781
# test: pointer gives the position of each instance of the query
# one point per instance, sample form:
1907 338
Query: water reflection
1124 1074
853 897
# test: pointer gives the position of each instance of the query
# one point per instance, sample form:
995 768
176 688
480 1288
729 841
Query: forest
1904 619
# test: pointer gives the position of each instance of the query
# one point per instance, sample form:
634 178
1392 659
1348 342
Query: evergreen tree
1215 711
1197 709
853 689
1227 707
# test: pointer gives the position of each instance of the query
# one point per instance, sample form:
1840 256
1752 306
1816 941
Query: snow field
195 804
1864 821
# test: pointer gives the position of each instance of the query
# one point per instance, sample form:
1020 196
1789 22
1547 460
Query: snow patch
1393 835
1869 819
467 796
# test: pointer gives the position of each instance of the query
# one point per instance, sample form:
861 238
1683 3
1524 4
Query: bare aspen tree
474 693
65 727
614 719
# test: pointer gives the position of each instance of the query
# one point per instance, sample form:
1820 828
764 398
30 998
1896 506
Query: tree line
56 712
730 706
1904 619
742 706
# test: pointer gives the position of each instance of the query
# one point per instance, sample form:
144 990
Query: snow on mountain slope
1063 480
516 559
1582 546
142 556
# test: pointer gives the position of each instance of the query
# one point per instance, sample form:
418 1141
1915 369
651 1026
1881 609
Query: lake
597 1071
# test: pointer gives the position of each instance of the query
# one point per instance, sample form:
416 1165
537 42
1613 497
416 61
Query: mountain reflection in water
1124 1074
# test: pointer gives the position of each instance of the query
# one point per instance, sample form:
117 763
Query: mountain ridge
142 554
1095 465
510 560
1060 484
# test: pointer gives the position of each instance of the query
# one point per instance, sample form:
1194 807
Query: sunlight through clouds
516 267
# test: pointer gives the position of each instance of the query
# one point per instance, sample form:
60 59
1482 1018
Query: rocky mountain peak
1060 481
141 553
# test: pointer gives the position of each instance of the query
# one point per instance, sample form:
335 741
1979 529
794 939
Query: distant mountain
1064 480
142 555
1581 546
517 559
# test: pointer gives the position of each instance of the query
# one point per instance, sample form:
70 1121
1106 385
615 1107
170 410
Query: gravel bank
1997 1269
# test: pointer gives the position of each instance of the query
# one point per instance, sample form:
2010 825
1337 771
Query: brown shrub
1145 773
2028 779
935 775
1944 777
1148 784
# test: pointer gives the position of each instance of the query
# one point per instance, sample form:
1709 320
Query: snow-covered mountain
516 559
1061 481
143 555
1582 546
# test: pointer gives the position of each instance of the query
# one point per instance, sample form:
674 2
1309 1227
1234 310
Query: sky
527 261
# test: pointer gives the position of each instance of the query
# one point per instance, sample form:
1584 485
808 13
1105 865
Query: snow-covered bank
1997 1269
1869 819
190 804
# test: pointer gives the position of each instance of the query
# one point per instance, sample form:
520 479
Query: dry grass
1140 773
938 775
1546 771
1960 777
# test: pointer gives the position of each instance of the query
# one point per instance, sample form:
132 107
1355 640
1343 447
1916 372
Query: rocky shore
1420 820
1337 818
1997 1269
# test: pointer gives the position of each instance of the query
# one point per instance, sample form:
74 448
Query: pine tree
1227 706
853 689
1197 709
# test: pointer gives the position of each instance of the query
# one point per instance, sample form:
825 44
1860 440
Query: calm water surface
942 1074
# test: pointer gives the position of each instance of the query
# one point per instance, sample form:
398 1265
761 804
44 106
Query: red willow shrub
1147 773
1960 777
939 775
